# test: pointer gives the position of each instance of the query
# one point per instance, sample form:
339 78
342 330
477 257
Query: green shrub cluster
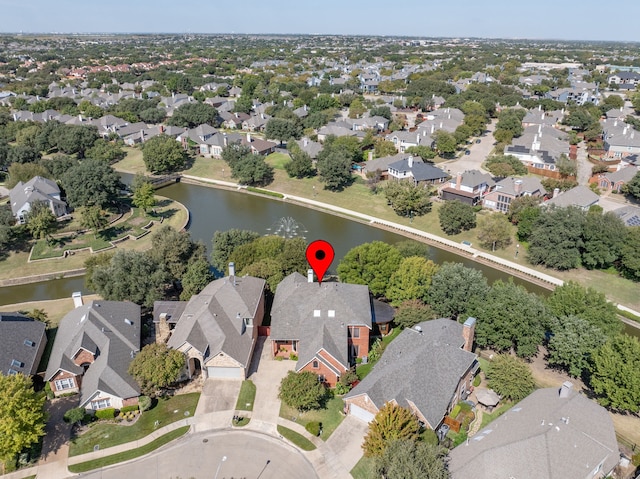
313 428
108 413
126 409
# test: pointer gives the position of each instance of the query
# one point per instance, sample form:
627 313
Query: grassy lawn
330 417
298 439
363 369
130 454
105 435
363 469
173 214
247 396
132 163
278 160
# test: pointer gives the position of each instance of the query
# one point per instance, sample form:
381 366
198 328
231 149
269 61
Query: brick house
510 188
326 325
92 351
428 369
614 181
468 187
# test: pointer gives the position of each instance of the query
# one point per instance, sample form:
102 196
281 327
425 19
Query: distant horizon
548 20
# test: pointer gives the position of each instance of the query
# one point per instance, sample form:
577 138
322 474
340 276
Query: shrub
455 411
293 357
144 402
279 358
313 428
476 381
74 415
108 413
429 436
126 409
48 391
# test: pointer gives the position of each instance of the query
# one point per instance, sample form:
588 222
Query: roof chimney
309 276
410 161
565 389
468 333
77 299
248 137
517 186
458 180
232 269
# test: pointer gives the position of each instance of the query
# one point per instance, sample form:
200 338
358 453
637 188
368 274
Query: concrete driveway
57 432
218 395
479 153
346 441
200 456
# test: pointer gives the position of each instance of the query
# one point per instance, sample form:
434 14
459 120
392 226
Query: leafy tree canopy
91 183
411 280
191 115
156 366
407 459
456 217
510 377
454 287
162 154
371 264
408 199
302 391
392 423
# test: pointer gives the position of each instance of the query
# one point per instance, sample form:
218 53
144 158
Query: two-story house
38 189
22 342
325 325
468 187
509 189
414 169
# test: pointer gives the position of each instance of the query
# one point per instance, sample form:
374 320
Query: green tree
94 218
572 342
197 275
156 366
302 391
357 108
446 143
556 238
21 415
144 196
100 260
509 317
566 166
615 373
392 423
371 264
41 222
74 415
412 248
632 188
408 199
252 170
132 276
580 119
106 151
384 148
91 183
517 206
505 165
424 152
494 231
412 312
456 217
454 287
282 129
300 165
174 250
411 280
334 168
225 242
510 377
74 139
573 299
603 238
268 269
408 459
162 154
191 115
511 121
630 255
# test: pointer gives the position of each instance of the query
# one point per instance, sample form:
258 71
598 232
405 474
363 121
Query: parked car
467 152
478 140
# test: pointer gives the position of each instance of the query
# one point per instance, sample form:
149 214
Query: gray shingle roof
419 170
580 196
213 319
529 185
100 327
292 315
36 189
531 441
20 339
424 368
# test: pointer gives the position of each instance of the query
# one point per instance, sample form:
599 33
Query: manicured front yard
298 439
130 454
107 435
363 469
330 417
247 396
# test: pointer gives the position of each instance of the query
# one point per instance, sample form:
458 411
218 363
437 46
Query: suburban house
22 342
620 139
37 189
325 325
624 80
539 147
541 117
406 139
428 369
216 329
468 187
630 215
414 169
509 189
259 146
310 147
552 433
92 351
382 164
581 197
614 181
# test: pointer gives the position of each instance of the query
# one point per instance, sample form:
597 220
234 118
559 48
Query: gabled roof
20 339
580 196
475 178
422 367
110 330
528 185
419 170
294 317
36 189
623 174
629 214
212 321
544 435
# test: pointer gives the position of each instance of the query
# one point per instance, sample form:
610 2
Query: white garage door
361 414
231 373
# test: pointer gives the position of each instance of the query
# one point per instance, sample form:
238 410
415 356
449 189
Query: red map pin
319 255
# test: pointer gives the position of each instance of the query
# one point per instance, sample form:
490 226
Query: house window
66 383
315 365
321 378
355 350
101 403
355 332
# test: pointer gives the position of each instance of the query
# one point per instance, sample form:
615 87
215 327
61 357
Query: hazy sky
557 19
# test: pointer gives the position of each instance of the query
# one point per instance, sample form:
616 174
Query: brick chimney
458 181
468 333
517 187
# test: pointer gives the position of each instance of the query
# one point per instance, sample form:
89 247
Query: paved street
198 456
479 153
